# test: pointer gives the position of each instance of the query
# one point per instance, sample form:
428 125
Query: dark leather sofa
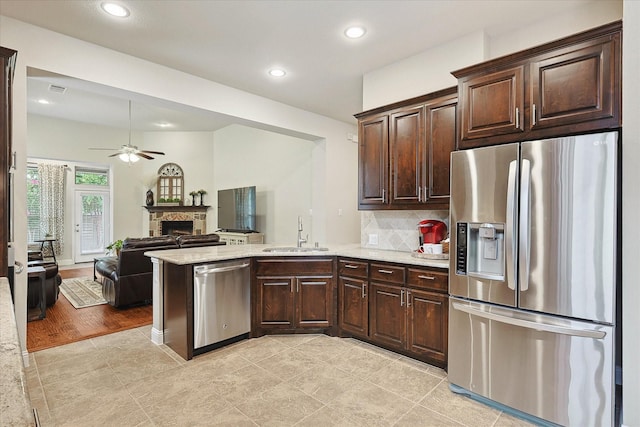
128 279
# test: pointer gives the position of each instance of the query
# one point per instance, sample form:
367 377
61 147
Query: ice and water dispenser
480 250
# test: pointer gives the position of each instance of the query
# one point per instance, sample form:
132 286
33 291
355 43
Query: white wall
193 152
46 50
279 166
591 15
423 73
430 70
50 138
288 171
630 209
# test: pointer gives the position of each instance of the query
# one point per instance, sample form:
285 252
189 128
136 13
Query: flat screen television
237 209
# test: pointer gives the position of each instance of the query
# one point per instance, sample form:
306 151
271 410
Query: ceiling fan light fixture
129 157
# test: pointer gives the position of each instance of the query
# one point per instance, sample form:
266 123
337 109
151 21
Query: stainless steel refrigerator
533 275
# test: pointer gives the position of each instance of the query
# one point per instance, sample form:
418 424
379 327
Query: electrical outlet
373 239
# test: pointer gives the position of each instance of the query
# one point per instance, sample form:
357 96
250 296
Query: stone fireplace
177 220
177 228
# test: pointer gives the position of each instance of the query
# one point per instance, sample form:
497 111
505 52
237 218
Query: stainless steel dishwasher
221 304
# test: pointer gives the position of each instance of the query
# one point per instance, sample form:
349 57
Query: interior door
92 224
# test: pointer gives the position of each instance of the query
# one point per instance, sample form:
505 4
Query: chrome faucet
301 239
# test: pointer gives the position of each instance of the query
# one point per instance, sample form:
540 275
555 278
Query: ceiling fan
130 153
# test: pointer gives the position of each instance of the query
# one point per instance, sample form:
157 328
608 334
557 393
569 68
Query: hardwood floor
65 324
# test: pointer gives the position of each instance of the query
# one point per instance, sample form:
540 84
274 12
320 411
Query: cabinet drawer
353 268
427 279
387 273
294 267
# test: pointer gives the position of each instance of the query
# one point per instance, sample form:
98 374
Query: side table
39 272
50 241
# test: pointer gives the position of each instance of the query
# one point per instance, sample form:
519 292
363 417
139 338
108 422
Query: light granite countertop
228 252
15 405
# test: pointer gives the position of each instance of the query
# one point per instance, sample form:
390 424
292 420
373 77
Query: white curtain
52 203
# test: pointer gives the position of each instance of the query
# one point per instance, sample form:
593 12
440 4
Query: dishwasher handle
200 271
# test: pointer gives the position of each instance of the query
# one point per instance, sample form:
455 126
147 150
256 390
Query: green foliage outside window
89 177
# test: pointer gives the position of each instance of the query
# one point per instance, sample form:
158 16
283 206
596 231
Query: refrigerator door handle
525 224
545 327
511 231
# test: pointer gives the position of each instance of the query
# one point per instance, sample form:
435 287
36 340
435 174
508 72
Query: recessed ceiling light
115 9
164 125
43 101
355 32
277 72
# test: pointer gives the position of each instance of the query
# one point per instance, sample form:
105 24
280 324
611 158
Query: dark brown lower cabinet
427 324
388 315
402 308
276 308
354 306
293 295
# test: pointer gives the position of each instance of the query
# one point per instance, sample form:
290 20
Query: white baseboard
25 358
157 337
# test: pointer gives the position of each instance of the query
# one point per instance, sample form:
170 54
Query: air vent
57 89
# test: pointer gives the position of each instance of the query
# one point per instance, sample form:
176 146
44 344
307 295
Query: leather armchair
128 279
52 281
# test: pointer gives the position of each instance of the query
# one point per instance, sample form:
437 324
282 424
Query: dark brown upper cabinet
569 86
404 148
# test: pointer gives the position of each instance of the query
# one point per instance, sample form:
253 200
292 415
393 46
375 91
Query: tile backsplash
395 230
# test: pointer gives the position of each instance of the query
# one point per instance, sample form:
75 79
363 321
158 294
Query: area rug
82 292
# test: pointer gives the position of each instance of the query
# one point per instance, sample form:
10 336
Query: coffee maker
432 231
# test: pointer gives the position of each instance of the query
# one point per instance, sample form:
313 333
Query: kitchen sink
294 249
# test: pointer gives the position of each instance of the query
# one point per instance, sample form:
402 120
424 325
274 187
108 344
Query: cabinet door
275 302
575 86
314 301
441 141
428 315
492 104
354 310
373 164
407 151
387 315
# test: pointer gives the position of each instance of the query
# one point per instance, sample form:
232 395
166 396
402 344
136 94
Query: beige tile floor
304 380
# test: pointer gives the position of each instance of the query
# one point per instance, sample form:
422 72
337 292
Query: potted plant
193 195
114 246
202 193
169 201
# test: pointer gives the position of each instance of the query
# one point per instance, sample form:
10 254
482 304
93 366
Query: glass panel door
92 226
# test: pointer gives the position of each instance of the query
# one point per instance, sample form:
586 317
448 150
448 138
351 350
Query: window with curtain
33 205
51 180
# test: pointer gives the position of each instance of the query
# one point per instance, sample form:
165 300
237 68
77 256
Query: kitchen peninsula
356 285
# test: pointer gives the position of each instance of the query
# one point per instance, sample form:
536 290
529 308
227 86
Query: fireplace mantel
176 208
160 214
